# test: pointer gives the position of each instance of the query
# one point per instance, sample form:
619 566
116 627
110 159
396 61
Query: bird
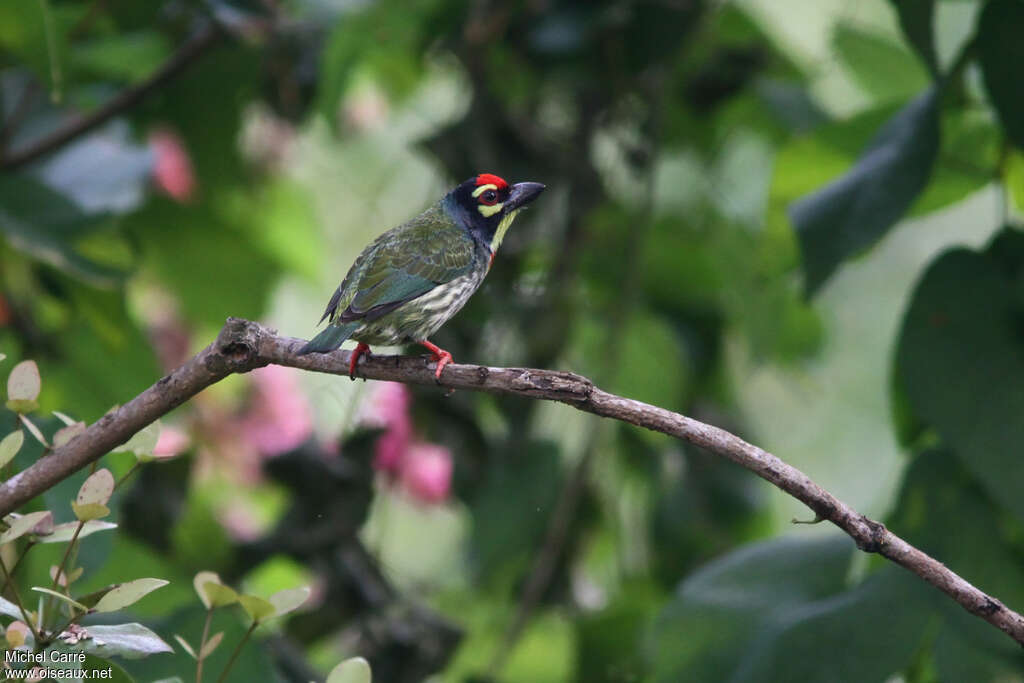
413 278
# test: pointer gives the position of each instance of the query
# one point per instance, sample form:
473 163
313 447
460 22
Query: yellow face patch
489 211
503 227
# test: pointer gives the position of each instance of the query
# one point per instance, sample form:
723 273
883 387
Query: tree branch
243 345
126 99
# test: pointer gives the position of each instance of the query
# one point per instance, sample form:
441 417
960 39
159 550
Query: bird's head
486 205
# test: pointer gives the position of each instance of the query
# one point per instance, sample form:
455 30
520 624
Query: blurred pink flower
172 442
279 419
426 472
172 167
388 408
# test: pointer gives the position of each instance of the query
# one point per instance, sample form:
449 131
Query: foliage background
723 179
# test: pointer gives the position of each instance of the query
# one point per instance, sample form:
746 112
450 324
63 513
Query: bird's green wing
402 264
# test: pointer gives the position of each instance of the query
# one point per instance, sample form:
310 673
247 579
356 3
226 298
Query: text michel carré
51 657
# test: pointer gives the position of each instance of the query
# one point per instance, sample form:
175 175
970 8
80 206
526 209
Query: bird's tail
328 340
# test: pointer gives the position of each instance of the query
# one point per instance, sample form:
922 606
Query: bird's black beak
521 195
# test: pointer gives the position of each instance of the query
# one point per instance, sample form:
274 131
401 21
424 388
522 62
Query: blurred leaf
63 598
211 645
257 608
853 212
143 442
18 526
10 446
884 69
67 433
98 668
43 224
212 593
966 163
917 19
1001 52
63 418
780 611
23 384
354 670
289 600
87 512
960 339
512 508
33 429
131 641
128 594
1015 178
100 172
185 646
23 32
97 488
9 609
125 56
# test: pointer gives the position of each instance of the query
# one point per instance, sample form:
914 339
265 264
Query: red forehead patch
491 179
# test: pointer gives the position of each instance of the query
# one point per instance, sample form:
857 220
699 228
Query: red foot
361 348
442 357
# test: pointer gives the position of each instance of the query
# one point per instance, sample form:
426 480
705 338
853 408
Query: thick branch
243 345
124 100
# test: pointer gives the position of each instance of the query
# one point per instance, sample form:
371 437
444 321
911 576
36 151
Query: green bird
409 281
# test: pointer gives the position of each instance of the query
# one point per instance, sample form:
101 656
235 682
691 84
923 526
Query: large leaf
960 361
884 69
131 641
854 211
126 594
354 670
917 19
43 224
1001 53
22 524
778 611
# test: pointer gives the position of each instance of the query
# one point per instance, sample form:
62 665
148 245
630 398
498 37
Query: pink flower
388 407
172 442
172 167
279 419
426 473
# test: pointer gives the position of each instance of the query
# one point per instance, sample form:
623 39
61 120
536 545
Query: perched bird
413 278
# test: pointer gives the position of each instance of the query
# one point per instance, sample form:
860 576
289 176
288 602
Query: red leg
442 357
361 348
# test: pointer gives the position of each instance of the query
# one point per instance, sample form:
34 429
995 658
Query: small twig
17 601
14 567
237 651
126 99
67 554
243 345
127 474
202 644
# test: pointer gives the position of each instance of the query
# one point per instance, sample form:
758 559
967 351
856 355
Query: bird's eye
490 197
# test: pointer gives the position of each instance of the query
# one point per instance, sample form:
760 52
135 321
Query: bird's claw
360 350
442 357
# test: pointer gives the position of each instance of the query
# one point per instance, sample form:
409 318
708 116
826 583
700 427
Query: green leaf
185 646
917 19
24 384
959 343
9 609
10 446
258 609
43 224
67 433
20 525
288 600
1001 52
62 533
211 645
781 611
212 592
32 429
61 597
130 641
128 594
354 670
89 511
854 211
143 442
884 69
97 488
126 56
